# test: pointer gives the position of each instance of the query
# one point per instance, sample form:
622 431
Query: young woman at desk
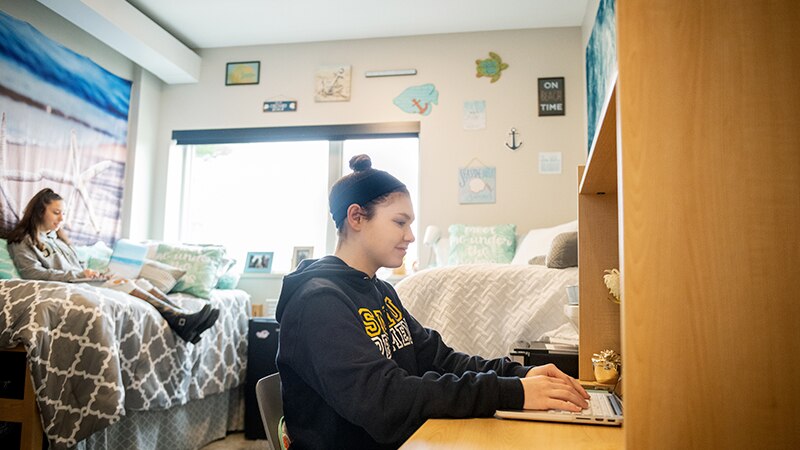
357 370
41 251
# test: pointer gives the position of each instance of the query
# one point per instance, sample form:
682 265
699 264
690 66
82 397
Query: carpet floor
236 441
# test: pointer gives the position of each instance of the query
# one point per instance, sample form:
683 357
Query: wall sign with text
551 96
280 106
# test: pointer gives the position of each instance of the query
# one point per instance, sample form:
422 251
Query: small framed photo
258 262
247 72
301 253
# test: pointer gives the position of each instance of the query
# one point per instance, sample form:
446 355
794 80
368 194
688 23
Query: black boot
184 324
189 326
206 324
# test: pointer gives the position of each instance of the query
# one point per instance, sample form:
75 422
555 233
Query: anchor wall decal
514 145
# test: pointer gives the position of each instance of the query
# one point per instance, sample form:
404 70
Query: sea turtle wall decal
490 67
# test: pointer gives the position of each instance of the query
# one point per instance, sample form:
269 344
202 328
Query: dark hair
33 217
365 187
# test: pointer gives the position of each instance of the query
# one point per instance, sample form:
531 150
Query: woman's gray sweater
56 262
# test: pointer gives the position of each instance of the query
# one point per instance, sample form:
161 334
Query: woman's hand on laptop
552 371
89 273
546 387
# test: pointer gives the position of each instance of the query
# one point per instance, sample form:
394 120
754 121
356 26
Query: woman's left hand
551 370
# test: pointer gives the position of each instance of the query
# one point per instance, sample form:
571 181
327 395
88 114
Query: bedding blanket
488 309
95 353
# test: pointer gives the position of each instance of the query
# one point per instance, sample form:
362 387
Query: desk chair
270 404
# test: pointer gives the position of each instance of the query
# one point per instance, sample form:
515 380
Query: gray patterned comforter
95 353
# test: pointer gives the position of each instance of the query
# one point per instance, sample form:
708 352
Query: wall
523 196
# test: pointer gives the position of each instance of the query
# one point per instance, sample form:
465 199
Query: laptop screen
127 259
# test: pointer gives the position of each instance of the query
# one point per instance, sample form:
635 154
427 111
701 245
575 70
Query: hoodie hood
328 267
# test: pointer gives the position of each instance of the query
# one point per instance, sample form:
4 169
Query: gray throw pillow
538 260
161 275
563 251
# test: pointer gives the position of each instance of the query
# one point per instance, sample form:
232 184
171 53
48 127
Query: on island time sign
551 96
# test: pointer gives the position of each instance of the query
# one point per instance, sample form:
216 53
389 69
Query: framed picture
258 262
551 96
247 72
332 84
301 253
477 185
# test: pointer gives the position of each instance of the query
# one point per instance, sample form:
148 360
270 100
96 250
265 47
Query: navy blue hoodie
358 371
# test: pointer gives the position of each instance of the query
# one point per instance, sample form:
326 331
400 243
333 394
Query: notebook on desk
605 408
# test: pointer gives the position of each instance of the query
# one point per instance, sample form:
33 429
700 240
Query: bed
108 372
488 309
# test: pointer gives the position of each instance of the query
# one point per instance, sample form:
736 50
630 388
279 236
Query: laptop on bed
126 261
605 408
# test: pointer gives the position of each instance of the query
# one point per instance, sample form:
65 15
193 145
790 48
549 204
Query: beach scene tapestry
64 126
601 64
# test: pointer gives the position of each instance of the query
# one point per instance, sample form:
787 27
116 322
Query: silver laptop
605 408
126 261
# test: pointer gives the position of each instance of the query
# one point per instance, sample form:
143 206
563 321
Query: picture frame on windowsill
299 254
258 262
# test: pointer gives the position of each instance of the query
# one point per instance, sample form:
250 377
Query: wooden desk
467 434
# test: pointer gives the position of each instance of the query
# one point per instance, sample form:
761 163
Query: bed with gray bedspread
95 353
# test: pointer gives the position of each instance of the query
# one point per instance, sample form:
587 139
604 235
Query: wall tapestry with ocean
64 126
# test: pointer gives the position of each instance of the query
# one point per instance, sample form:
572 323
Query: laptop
605 408
126 261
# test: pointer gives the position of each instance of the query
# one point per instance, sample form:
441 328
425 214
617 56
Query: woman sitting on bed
357 370
41 251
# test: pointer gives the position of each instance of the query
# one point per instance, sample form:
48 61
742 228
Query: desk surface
467 434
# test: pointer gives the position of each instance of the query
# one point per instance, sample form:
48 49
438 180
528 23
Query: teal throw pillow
7 268
200 263
95 257
473 244
228 281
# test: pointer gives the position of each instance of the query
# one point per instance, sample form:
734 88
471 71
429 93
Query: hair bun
360 163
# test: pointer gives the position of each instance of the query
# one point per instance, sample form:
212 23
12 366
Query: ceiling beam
125 29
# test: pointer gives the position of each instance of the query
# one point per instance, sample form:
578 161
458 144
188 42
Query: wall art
601 64
477 185
418 99
474 115
491 67
238 73
551 97
64 125
332 84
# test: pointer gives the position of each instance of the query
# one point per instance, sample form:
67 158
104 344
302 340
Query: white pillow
537 242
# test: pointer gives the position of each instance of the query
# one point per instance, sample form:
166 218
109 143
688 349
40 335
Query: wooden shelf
598 244
600 176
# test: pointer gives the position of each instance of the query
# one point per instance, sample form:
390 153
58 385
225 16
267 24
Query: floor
236 441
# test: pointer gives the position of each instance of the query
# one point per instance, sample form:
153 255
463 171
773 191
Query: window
273 196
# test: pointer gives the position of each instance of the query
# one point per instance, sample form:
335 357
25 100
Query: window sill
256 275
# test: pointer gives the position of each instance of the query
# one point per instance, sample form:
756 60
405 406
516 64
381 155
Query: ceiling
216 23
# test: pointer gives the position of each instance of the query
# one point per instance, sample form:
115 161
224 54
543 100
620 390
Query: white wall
523 196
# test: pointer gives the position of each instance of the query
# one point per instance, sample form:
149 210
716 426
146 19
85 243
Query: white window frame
334 134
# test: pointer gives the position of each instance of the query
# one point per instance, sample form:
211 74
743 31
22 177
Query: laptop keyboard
598 406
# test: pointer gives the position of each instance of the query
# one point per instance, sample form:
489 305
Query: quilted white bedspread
486 309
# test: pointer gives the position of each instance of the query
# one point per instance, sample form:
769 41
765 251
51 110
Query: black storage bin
262 348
